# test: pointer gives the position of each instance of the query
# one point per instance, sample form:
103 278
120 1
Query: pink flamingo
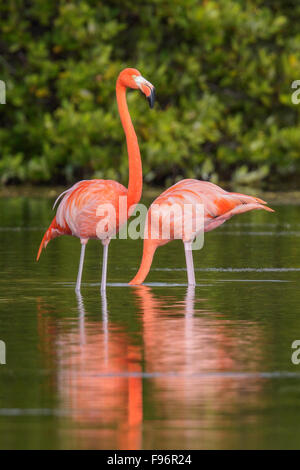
218 206
77 212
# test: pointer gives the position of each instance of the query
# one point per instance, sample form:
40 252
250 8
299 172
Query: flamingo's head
131 78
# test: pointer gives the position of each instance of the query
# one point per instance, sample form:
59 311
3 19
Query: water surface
159 366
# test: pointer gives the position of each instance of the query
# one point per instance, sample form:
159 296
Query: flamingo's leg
189 263
104 263
79 275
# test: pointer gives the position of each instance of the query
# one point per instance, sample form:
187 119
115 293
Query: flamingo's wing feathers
102 201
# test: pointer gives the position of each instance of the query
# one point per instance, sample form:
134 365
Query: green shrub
222 69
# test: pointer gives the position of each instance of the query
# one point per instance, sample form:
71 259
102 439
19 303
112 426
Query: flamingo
218 206
77 212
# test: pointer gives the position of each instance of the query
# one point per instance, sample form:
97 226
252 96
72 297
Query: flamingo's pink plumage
218 204
77 213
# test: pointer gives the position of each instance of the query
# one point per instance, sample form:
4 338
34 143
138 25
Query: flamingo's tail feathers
240 209
267 208
148 253
250 206
52 232
40 250
248 199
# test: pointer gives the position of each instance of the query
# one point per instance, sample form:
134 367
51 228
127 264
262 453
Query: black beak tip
151 98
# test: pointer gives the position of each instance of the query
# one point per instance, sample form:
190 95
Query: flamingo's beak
151 97
147 88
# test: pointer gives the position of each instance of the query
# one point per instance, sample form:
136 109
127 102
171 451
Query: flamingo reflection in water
182 364
193 355
98 379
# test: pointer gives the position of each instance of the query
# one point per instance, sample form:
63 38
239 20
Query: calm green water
160 366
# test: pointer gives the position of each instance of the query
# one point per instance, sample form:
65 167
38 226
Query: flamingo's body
218 206
78 212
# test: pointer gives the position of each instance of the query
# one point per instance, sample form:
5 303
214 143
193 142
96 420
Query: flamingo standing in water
77 212
218 206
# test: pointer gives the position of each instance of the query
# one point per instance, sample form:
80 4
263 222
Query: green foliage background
222 70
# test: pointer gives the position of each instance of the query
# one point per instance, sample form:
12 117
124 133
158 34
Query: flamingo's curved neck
135 182
148 253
